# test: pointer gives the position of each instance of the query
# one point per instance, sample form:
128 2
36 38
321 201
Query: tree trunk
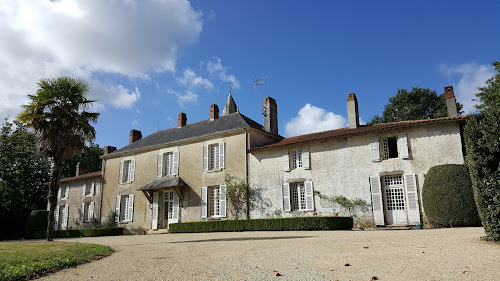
55 174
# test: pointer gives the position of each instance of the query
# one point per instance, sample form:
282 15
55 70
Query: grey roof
230 106
207 127
163 183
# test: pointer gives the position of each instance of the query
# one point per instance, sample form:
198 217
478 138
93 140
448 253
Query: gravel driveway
433 254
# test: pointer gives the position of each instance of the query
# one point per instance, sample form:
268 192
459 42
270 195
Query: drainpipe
102 189
246 173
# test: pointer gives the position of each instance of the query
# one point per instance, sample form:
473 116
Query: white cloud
215 68
190 79
80 38
184 99
471 76
312 119
115 95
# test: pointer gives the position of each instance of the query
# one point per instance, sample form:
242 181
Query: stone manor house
178 174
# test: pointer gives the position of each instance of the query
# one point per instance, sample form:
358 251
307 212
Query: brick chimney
135 135
182 119
352 111
271 116
79 170
214 112
108 149
451 102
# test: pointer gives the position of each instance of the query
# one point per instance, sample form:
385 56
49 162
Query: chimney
451 102
271 116
79 171
108 149
182 119
214 112
352 111
135 135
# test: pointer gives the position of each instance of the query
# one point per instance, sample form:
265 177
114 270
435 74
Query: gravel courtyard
433 254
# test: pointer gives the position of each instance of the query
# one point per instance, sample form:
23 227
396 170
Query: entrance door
170 208
394 200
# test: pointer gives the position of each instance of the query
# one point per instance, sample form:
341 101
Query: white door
170 208
394 200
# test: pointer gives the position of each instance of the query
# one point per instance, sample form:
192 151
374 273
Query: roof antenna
259 82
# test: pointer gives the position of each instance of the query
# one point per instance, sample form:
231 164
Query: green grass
25 260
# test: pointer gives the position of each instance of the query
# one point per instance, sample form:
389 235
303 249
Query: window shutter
82 213
92 189
221 155
205 157
286 197
91 211
286 161
120 174
377 204
309 195
222 201
66 193
159 167
56 218
84 189
403 146
203 202
59 194
175 210
375 148
117 208
131 207
132 170
412 199
154 220
176 162
305 158
66 218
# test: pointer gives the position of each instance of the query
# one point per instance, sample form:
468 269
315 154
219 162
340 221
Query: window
127 169
63 192
168 164
390 147
125 208
213 201
87 212
298 196
213 156
299 158
89 189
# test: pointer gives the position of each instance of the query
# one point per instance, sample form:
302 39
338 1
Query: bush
482 140
280 224
448 198
37 221
86 232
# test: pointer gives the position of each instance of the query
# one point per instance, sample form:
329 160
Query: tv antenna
259 82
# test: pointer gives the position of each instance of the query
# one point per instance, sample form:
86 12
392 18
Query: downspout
246 173
102 189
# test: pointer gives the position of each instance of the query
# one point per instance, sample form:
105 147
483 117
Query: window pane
295 197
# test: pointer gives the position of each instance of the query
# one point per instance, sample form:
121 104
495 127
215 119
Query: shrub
448 197
280 224
37 221
85 232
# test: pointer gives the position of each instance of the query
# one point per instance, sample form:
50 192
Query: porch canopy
175 182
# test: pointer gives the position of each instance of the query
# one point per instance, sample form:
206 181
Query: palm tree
57 113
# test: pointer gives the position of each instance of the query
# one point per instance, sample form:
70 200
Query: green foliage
279 224
236 195
22 261
416 104
352 206
37 221
84 232
489 96
448 197
88 158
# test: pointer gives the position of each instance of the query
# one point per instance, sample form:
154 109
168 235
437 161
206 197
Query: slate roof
363 130
207 127
163 183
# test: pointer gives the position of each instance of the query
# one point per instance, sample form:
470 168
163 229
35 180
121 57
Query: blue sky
148 60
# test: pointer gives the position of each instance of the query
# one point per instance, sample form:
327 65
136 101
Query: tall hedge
37 221
448 198
482 140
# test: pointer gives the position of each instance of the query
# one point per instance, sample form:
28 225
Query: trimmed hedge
37 221
85 232
448 198
280 224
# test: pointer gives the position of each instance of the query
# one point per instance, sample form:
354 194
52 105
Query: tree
416 104
23 172
58 115
489 96
89 161
236 195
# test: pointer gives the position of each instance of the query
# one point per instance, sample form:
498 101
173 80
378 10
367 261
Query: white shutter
175 210
176 162
221 155
56 218
120 174
222 201
286 161
66 192
66 217
375 149
412 199
154 220
377 204
205 157
84 189
305 158
59 194
117 208
159 163
131 207
132 170
90 213
92 189
403 146
309 195
82 213
203 202
286 197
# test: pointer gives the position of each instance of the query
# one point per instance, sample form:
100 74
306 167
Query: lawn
24 260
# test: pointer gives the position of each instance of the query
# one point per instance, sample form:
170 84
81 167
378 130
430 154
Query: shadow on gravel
241 239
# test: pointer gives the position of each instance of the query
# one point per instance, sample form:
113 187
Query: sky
147 60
